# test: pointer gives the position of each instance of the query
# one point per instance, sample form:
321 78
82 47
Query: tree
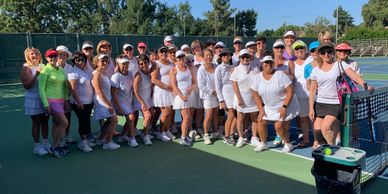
375 13
185 18
135 17
220 18
320 23
246 22
345 20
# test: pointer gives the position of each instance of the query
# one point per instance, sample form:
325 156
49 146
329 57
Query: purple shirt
288 57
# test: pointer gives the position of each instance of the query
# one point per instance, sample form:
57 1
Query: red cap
343 46
141 44
50 52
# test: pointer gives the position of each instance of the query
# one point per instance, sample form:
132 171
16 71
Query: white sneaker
162 136
91 143
338 141
170 135
184 142
122 138
84 146
240 142
255 141
261 147
206 139
133 143
110 146
100 141
147 140
192 134
46 146
287 148
39 150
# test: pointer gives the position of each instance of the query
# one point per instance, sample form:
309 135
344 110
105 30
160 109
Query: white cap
126 45
243 52
185 46
62 48
219 44
278 43
180 53
289 33
250 43
168 38
122 60
102 56
267 58
87 45
237 39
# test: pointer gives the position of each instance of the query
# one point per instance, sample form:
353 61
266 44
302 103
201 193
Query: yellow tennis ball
327 151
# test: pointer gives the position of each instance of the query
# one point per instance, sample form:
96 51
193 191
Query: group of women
202 82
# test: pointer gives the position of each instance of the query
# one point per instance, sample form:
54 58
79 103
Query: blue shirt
307 70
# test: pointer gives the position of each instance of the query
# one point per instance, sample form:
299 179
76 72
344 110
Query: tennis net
365 126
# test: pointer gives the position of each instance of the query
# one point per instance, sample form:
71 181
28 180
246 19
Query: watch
284 106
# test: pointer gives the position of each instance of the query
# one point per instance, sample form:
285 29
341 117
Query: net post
346 121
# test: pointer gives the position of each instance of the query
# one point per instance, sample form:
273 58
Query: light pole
336 26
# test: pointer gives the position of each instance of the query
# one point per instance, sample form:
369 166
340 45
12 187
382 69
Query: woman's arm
73 91
193 80
136 84
238 94
26 77
287 100
157 82
313 91
357 78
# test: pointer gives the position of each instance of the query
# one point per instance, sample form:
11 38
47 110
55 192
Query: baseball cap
50 53
162 48
122 60
237 40
102 56
185 46
179 53
267 58
244 52
168 38
325 45
219 44
225 51
87 45
141 44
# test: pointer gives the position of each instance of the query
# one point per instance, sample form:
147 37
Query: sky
273 13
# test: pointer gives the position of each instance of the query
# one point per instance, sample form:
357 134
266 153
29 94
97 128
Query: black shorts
323 109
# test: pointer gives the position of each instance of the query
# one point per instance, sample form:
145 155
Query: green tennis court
160 168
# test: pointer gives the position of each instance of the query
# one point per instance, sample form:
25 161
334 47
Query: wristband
365 85
284 106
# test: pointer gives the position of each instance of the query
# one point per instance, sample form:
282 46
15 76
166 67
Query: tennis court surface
160 168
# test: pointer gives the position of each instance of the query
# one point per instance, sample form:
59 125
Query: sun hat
278 43
244 52
250 43
62 48
289 33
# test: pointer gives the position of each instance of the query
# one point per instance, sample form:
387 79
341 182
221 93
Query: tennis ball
327 151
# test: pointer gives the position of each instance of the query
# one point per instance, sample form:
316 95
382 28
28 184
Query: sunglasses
80 59
313 50
323 52
189 61
299 48
163 51
52 56
245 57
268 62
279 47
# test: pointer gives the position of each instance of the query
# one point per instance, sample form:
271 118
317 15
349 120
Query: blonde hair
26 55
197 42
104 42
323 34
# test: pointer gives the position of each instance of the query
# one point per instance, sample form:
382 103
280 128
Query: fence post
77 35
27 40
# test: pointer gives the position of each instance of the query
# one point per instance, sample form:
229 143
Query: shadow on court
160 168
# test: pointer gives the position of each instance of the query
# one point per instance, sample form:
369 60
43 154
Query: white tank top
300 84
145 88
183 79
164 71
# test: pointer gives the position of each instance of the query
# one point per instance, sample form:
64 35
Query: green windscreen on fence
366 127
14 44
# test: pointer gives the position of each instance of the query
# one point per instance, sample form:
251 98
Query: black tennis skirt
323 109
